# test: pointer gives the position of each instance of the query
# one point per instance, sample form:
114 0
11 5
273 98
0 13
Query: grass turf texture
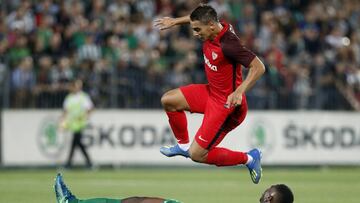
200 185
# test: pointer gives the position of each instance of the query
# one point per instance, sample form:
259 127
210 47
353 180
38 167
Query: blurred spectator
89 50
222 8
22 83
63 73
22 18
19 51
44 34
111 51
302 88
311 50
147 34
44 92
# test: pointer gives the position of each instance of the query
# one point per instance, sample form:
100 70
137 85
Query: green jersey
106 200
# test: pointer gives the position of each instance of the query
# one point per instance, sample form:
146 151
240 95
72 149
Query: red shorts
218 120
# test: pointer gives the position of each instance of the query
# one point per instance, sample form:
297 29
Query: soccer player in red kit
222 100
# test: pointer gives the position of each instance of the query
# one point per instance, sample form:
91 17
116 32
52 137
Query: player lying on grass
64 195
222 100
279 193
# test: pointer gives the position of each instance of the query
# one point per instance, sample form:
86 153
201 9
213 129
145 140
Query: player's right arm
168 22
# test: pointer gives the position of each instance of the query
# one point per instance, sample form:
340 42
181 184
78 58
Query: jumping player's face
201 30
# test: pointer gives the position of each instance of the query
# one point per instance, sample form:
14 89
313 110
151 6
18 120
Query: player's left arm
256 69
235 52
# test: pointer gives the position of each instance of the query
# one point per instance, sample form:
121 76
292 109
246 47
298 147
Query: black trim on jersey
222 128
234 76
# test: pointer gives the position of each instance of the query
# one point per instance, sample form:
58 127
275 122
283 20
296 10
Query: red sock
225 157
178 124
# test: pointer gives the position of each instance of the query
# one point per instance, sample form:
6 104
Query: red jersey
223 57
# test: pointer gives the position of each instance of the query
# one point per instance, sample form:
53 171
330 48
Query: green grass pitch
199 185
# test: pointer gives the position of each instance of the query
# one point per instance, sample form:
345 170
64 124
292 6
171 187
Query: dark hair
286 195
204 14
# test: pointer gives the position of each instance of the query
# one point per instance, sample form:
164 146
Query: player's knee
197 156
168 101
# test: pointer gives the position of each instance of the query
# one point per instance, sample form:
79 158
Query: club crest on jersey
214 55
211 66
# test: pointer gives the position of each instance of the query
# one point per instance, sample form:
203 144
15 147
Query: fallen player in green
63 195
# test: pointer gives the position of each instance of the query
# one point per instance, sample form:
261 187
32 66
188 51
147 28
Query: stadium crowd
311 49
